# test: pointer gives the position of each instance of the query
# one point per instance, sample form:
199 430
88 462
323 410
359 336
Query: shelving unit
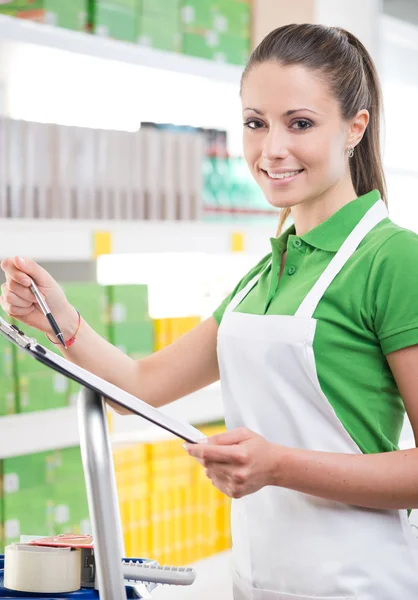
28 32
54 240
28 433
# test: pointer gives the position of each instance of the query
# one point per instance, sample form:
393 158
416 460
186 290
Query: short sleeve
395 280
219 312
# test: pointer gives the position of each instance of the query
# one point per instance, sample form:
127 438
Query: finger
15 300
33 270
20 290
234 436
15 275
219 454
14 311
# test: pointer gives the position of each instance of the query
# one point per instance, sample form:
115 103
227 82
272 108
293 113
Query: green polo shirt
369 310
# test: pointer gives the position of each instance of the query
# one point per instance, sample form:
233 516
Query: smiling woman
308 102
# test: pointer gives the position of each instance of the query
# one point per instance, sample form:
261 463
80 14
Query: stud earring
350 151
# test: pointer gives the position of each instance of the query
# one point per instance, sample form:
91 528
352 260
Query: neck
313 212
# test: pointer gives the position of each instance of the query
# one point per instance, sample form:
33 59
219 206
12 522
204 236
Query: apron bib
288 545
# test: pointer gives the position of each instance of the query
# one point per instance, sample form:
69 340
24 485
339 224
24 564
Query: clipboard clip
16 334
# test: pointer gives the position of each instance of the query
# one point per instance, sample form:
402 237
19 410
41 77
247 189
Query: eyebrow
286 114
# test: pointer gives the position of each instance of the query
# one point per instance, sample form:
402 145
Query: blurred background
121 172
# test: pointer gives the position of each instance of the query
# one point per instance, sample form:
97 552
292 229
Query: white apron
288 545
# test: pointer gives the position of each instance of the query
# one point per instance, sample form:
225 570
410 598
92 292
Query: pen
45 309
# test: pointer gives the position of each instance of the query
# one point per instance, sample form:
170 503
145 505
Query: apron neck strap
374 215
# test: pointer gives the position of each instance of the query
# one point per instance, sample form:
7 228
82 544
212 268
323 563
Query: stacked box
70 15
159 25
167 331
27 498
8 387
117 19
91 300
217 29
44 494
131 328
132 480
38 387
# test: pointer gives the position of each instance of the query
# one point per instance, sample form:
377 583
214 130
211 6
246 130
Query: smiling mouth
281 176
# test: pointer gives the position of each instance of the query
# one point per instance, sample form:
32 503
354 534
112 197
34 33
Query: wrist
284 462
68 322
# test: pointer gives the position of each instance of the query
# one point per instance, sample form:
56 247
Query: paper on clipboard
104 388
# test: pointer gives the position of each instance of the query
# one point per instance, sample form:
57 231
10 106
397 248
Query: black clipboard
102 387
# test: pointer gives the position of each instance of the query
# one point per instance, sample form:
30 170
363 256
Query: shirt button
297 243
291 270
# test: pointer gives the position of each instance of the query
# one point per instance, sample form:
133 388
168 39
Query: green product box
115 20
131 328
29 512
233 18
8 387
65 466
22 473
197 14
42 391
165 8
8 395
90 299
71 15
128 304
71 512
233 50
197 45
160 31
1 511
136 340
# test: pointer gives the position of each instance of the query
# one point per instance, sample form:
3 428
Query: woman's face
294 136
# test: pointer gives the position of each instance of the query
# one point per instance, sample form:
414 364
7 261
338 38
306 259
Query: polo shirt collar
330 234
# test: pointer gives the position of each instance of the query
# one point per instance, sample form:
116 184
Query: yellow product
161 334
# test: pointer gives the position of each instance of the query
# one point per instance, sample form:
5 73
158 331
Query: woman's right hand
18 301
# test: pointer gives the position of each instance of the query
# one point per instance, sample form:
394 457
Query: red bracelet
73 338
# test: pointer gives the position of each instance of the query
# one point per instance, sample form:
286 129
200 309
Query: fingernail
203 441
26 281
22 260
186 447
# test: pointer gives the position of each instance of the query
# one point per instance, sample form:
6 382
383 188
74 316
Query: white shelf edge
47 430
29 32
53 239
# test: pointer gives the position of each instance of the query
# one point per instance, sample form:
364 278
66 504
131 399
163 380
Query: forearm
380 481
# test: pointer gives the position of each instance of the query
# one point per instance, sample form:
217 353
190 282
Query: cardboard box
42 391
160 31
115 19
71 15
29 512
232 17
91 300
70 511
164 8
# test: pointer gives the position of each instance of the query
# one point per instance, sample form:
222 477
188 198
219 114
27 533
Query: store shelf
61 240
52 429
23 31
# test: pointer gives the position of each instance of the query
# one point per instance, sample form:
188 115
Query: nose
274 145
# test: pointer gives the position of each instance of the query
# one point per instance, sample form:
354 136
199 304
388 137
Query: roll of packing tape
41 570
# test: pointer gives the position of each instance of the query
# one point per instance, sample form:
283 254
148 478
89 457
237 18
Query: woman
315 346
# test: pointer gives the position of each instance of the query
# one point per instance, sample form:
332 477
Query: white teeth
282 175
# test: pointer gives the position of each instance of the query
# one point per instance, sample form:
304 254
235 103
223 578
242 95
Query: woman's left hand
238 462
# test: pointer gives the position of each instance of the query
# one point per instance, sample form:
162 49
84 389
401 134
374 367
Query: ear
357 127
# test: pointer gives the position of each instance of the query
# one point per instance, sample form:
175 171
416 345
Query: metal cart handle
102 497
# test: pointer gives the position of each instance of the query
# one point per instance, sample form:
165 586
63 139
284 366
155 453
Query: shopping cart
103 508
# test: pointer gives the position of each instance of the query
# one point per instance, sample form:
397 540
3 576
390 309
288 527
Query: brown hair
347 67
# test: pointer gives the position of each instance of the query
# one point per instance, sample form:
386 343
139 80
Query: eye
305 124
253 124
